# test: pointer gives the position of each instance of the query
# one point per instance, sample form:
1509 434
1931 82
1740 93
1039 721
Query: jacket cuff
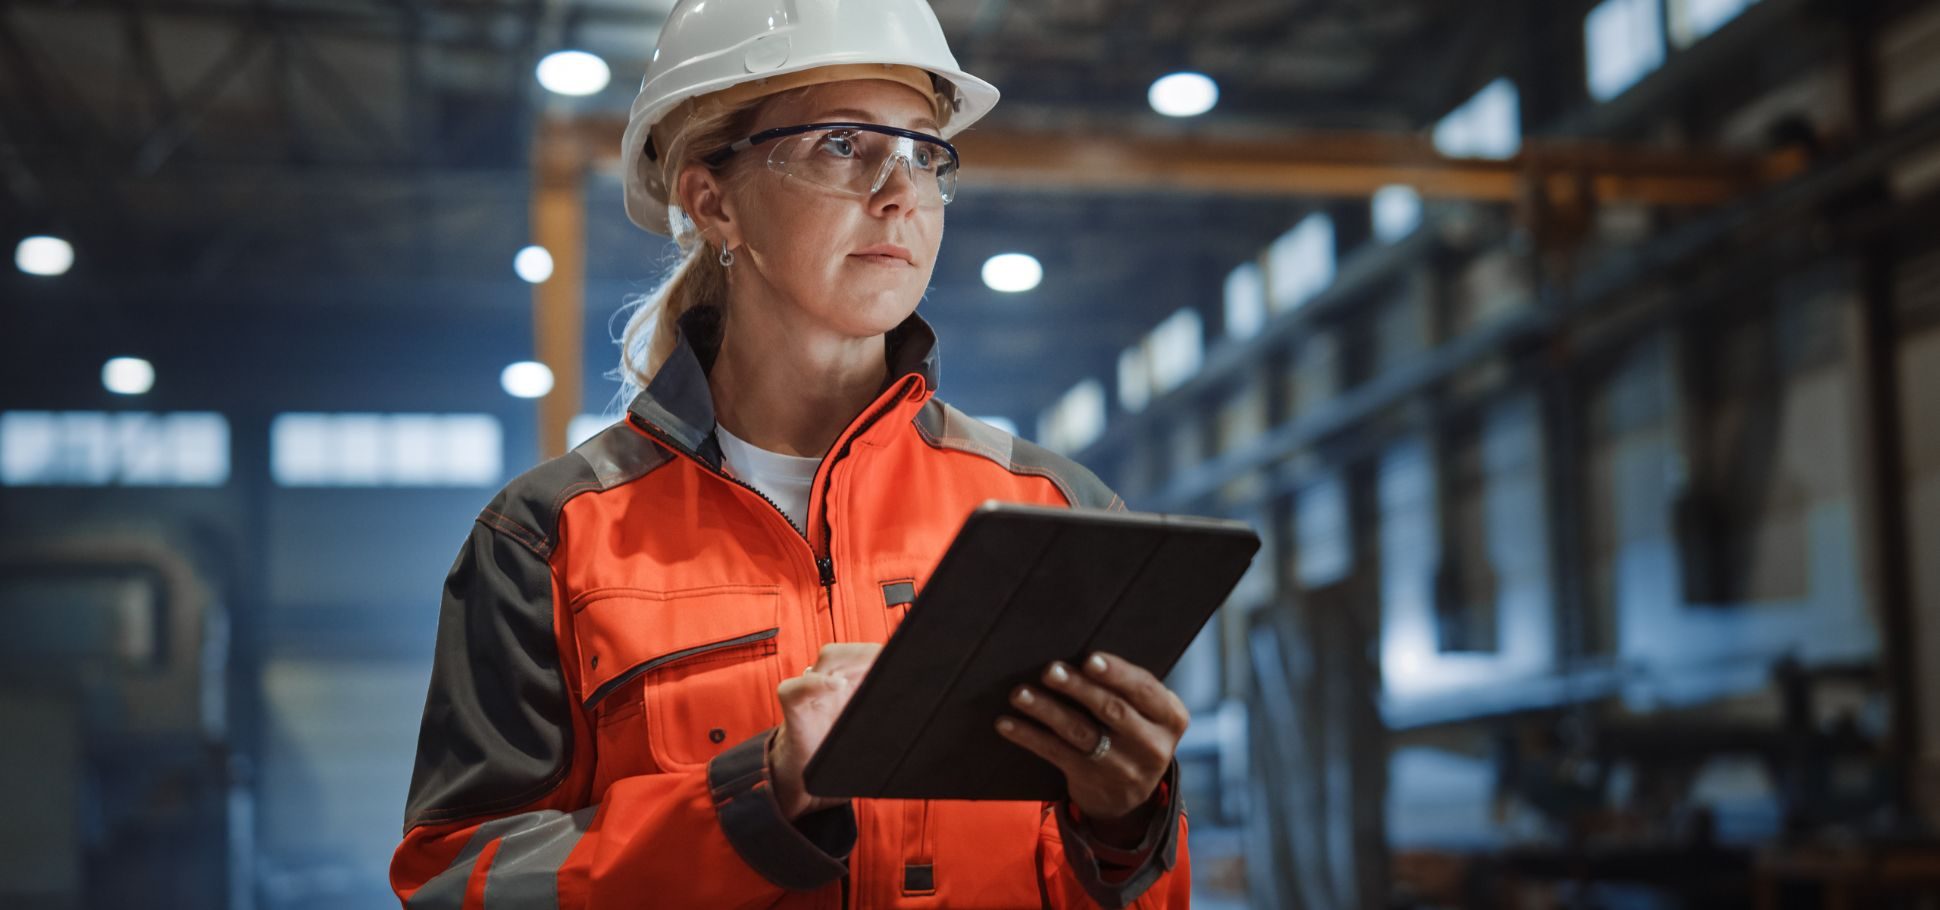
801 856
1130 871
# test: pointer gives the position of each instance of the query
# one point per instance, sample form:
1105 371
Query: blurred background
1575 359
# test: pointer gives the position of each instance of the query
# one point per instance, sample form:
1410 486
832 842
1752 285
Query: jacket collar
679 403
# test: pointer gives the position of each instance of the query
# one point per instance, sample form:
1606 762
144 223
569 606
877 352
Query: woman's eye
925 158
842 146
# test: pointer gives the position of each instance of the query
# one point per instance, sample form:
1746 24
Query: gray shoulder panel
497 726
527 510
944 426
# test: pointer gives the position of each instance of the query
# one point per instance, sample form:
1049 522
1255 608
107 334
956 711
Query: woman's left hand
1109 697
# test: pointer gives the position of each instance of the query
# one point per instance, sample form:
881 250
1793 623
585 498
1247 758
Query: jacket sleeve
500 812
1078 870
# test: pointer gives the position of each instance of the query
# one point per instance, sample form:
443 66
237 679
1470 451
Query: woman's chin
874 314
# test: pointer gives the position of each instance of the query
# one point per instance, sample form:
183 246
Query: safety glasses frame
782 132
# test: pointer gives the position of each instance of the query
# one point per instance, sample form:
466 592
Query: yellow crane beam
1336 165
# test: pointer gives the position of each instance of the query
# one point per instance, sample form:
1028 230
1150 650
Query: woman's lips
885 254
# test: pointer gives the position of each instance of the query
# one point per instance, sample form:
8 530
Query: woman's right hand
809 705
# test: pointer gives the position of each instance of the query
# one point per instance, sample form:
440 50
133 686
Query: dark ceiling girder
155 149
144 71
353 112
368 23
86 147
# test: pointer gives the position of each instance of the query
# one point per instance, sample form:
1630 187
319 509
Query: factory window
1623 42
1488 125
1301 263
377 450
1314 372
1178 347
95 448
1162 361
1323 542
1134 377
1396 211
1076 420
1245 301
1184 444
1692 20
1243 417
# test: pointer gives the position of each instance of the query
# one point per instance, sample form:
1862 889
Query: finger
1110 708
1043 743
1139 687
813 684
811 689
1075 727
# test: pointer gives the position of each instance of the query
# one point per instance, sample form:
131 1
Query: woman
644 640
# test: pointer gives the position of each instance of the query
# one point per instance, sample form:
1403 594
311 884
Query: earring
727 255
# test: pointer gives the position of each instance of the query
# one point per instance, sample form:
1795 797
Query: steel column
559 302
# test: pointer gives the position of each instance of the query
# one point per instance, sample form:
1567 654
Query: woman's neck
788 386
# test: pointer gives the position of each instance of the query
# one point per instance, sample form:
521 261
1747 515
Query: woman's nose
895 185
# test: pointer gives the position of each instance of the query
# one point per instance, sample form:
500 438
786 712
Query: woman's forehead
865 100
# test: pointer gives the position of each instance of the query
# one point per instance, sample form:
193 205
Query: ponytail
653 319
697 279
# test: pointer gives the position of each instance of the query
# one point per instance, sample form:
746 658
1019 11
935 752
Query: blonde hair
697 279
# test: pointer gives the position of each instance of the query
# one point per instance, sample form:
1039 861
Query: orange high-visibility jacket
610 641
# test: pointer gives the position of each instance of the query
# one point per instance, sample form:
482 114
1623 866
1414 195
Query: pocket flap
623 633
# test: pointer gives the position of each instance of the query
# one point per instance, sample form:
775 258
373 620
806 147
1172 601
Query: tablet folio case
1020 586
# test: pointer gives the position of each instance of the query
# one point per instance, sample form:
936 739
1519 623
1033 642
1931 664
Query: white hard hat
710 45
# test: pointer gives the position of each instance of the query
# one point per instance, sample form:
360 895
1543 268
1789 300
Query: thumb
812 687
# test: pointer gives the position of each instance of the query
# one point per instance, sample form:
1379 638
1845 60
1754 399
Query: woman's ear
703 196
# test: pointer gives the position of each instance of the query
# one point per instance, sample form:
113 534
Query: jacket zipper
827 563
824 565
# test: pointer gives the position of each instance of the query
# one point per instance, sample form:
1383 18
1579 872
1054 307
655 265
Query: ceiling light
1183 94
526 379
533 264
573 73
41 255
1012 272
128 376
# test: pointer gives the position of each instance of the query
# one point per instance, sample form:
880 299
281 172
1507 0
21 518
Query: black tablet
1019 587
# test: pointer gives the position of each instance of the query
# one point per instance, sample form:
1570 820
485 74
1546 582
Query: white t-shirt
783 478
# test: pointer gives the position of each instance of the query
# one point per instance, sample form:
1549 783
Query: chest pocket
703 663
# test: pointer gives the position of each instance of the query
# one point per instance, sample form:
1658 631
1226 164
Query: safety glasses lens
860 162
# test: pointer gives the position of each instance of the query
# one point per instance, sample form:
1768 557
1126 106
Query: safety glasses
856 159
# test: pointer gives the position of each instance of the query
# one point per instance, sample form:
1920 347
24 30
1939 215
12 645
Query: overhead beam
1351 164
